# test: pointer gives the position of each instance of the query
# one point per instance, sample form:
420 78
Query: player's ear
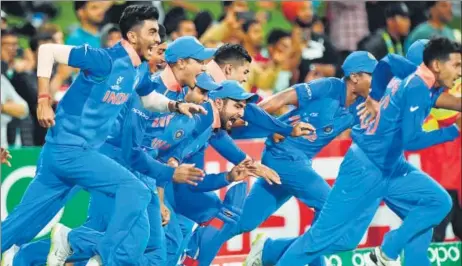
436 66
219 104
132 37
227 69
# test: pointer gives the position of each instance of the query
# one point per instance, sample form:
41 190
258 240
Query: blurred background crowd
290 42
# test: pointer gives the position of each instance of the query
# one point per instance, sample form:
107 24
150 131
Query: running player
83 120
374 169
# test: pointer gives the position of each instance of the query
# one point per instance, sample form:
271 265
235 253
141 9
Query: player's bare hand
165 213
45 113
268 174
189 109
173 162
239 123
188 174
278 138
5 157
367 111
242 171
302 129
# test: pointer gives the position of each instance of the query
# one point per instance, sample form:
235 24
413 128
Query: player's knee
445 204
139 192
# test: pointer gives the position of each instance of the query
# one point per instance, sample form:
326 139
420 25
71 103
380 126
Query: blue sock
273 249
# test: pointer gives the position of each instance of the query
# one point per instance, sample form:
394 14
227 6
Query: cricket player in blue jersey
374 169
83 120
327 104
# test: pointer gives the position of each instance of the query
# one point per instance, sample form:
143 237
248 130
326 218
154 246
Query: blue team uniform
71 158
375 169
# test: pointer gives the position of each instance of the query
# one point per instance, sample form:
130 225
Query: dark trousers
454 216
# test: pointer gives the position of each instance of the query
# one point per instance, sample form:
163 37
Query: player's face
192 68
157 60
237 72
197 96
362 83
145 38
449 70
230 112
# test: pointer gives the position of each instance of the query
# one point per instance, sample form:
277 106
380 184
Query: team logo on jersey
328 129
116 86
179 134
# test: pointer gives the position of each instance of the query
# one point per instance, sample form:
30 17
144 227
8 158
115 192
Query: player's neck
435 23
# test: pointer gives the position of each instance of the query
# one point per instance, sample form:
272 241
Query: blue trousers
355 197
298 180
60 168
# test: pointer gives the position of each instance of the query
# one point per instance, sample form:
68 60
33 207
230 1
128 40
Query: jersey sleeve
414 114
145 164
313 90
225 146
94 62
255 115
211 182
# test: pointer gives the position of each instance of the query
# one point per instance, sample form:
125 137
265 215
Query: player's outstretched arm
414 138
449 102
279 100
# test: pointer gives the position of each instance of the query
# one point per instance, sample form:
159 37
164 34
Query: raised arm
449 102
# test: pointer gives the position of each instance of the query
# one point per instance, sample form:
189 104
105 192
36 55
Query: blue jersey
85 115
322 104
398 125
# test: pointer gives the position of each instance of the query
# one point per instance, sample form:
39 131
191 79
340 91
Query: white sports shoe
375 258
8 256
60 249
256 252
94 261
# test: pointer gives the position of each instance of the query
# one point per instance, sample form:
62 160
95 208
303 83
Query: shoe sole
259 237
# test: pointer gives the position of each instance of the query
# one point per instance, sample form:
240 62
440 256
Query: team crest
328 129
179 134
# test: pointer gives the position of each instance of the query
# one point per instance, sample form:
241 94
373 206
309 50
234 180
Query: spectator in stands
253 38
229 29
275 75
54 30
313 54
389 40
90 15
110 35
12 106
203 21
440 15
183 27
348 21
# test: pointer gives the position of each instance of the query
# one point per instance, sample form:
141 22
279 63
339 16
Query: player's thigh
94 171
416 188
157 236
197 206
261 202
100 209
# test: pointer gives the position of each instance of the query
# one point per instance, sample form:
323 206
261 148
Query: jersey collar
169 80
135 58
215 71
426 75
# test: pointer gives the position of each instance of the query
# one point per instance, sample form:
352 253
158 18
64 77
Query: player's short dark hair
231 52
79 5
135 15
41 36
440 49
246 26
276 35
162 33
